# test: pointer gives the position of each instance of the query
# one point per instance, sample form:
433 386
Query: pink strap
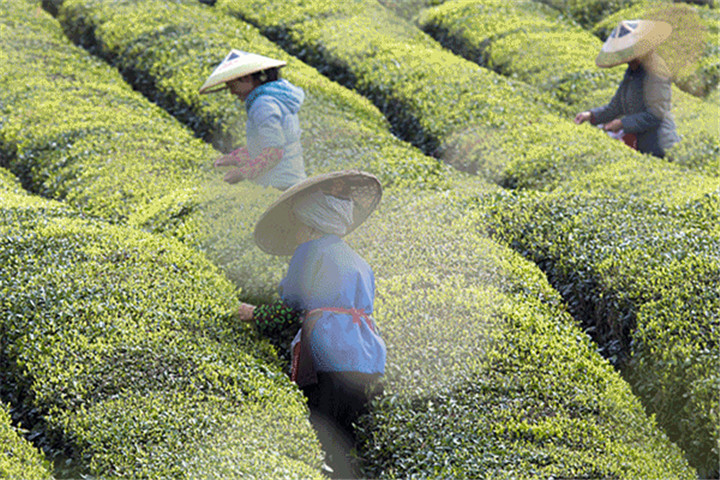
356 314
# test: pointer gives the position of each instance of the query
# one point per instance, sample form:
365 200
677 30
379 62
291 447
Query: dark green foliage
488 376
124 343
18 459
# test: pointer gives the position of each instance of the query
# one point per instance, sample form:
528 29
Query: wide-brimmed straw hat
630 40
235 65
276 230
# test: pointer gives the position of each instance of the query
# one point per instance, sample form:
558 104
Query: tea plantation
548 296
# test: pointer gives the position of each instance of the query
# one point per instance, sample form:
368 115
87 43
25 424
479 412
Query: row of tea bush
669 223
473 118
190 213
624 191
19 460
120 347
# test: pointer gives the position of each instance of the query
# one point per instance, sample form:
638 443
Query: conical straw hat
276 230
235 65
632 39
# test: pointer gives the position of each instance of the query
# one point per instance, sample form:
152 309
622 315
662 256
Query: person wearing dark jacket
639 112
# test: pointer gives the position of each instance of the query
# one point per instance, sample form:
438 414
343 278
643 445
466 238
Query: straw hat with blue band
276 230
632 39
237 64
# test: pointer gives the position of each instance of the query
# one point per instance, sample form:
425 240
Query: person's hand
583 117
234 176
236 157
245 312
613 125
225 161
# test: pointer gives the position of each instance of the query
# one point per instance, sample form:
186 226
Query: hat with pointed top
630 40
235 65
276 230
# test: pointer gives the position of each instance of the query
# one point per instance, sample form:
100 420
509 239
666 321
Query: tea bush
588 12
513 38
289 25
219 221
528 41
19 460
488 376
209 215
168 49
636 259
622 210
9 182
113 151
123 342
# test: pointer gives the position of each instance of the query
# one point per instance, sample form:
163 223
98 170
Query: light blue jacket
273 122
327 273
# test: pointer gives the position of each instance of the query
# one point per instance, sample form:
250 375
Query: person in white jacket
273 155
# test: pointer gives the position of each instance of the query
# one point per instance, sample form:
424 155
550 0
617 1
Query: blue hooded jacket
273 122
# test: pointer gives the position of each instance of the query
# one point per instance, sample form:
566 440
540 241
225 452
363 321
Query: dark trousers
336 402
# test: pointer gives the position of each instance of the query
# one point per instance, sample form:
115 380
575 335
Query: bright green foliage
220 221
168 49
636 259
112 152
526 40
19 460
9 182
513 38
588 12
420 284
698 124
488 376
340 129
408 8
377 64
124 343
585 267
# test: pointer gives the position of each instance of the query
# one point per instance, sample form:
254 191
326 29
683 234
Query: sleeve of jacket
299 283
608 112
656 95
267 115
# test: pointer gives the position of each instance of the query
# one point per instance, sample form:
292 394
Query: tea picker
639 112
273 155
328 291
